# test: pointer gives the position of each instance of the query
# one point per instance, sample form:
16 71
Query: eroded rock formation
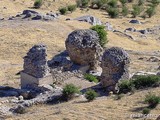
115 63
83 47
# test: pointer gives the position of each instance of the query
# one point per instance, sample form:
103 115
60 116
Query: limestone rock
90 19
35 63
135 22
83 47
115 63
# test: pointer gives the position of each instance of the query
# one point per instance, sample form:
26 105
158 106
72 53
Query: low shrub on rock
63 10
38 3
69 91
101 33
91 95
152 100
91 78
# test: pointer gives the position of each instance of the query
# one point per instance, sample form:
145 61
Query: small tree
141 2
125 86
38 3
82 3
136 10
101 33
99 3
124 11
150 11
63 10
113 12
72 8
146 111
113 3
123 2
152 100
155 2
90 95
69 91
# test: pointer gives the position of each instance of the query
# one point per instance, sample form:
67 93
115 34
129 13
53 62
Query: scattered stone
153 59
158 73
90 19
135 22
83 47
142 31
20 98
20 109
130 29
108 26
115 64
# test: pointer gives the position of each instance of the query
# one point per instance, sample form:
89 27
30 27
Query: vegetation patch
38 3
91 78
91 95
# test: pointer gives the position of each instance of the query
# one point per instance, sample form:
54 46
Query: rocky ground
17 36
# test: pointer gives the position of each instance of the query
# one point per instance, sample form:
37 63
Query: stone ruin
83 48
115 64
36 70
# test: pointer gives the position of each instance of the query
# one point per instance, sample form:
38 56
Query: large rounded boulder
115 64
83 47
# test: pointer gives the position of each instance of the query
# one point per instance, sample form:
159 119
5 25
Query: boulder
90 19
83 48
115 64
135 22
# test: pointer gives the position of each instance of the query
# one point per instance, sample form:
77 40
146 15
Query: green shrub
69 91
63 10
82 3
113 12
150 11
152 100
91 78
38 3
136 10
101 33
155 2
146 111
125 86
124 11
113 3
123 2
99 3
72 8
141 2
90 95
143 81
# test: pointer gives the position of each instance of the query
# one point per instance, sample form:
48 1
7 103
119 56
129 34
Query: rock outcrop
83 47
35 63
90 19
115 63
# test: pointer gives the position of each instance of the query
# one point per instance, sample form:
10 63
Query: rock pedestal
115 63
83 48
36 70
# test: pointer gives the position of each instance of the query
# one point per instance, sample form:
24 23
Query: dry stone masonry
83 48
36 70
115 63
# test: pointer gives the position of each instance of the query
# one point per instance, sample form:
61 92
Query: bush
112 3
38 3
150 11
113 12
63 10
72 8
69 91
124 11
91 78
90 95
155 2
99 3
123 2
125 86
82 3
141 2
146 111
136 10
101 33
143 81
152 100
